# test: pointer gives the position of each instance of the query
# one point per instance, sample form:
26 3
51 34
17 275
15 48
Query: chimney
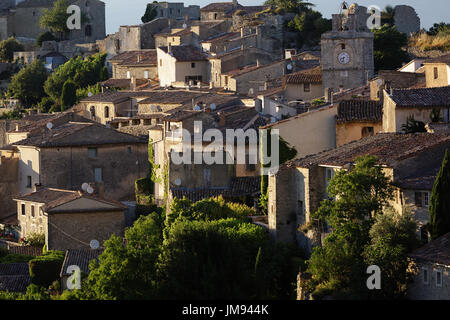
139 58
242 47
133 84
242 32
37 187
17 127
211 85
169 48
257 63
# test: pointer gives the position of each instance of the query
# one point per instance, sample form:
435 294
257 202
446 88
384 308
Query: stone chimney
37 187
139 58
133 83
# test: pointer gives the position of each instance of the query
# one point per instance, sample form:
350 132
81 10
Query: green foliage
46 268
27 85
413 126
440 201
388 48
439 28
310 25
14 258
35 240
7 49
83 72
46 36
435 115
46 104
318 101
387 16
357 196
150 13
13 115
104 74
55 18
84 92
392 237
293 6
69 94
35 292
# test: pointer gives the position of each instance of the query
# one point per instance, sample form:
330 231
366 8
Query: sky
128 12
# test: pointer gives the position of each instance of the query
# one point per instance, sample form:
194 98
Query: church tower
347 50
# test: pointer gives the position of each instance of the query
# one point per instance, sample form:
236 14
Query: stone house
219 10
400 104
22 20
253 78
177 11
297 189
388 79
140 64
74 153
69 219
181 65
415 65
9 184
437 71
304 85
431 267
357 119
221 63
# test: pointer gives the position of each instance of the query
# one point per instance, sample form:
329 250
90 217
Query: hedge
46 268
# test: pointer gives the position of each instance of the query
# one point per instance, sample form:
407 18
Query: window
32 211
92 152
92 111
146 75
438 278
425 275
343 46
436 73
128 74
306 87
106 112
98 176
418 199
193 65
367 132
329 174
215 16
23 209
29 182
426 199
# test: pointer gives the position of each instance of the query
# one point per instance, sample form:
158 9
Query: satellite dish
379 82
213 106
90 94
94 244
178 182
273 120
197 108
289 66
84 186
250 91
90 190
50 125
184 25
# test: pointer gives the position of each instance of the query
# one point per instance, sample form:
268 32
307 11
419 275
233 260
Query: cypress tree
69 95
440 201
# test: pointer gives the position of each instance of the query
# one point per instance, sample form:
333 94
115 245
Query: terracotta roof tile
436 251
313 75
186 53
140 58
422 97
359 110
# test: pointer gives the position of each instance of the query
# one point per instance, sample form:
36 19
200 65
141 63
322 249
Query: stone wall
352 131
85 227
9 185
406 19
418 290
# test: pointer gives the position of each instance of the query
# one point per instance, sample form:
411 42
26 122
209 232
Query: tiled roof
123 83
171 97
422 97
140 58
80 258
14 283
359 110
436 251
14 277
313 76
221 37
108 96
26 250
186 53
442 59
249 68
78 134
241 186
220 6
53 198
387 147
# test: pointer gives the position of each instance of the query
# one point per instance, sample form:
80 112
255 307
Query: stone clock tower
347 50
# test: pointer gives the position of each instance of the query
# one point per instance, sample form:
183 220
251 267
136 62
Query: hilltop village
91 126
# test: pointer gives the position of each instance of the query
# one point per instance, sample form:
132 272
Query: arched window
92 111
107 112
88 30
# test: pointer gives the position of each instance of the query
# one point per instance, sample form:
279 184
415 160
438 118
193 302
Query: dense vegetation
7 49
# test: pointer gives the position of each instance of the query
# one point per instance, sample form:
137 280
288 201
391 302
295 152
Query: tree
294 6
392 237
388 48
46 36
7 49
356 196
46 104
28 84
387 16
69 94
439 28
413 126
310 25
55 18
440 201
150 13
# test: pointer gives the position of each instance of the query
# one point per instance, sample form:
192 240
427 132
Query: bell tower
347 50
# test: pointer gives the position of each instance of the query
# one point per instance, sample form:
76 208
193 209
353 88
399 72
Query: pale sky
127 12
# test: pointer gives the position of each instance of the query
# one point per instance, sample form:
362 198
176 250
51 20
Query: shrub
46 104
69 94
46 268
35 240
46 36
